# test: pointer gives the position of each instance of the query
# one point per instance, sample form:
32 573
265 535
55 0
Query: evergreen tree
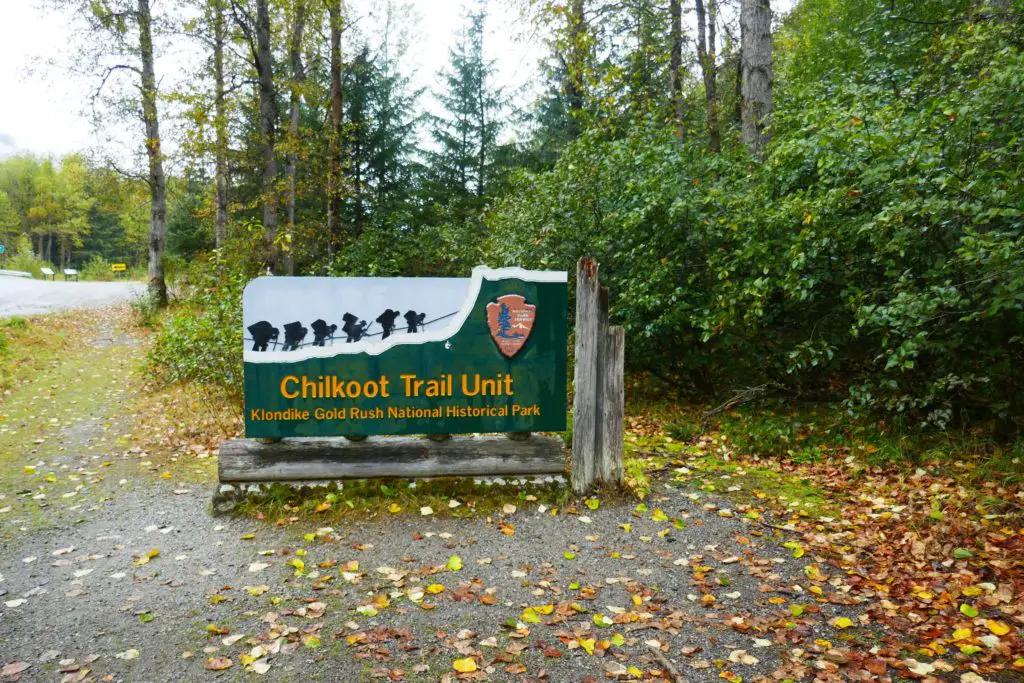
462 168
380 140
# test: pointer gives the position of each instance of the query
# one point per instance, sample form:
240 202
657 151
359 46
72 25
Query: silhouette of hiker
262 333
414 320
357 331
387 322
349 321
321 330
294 333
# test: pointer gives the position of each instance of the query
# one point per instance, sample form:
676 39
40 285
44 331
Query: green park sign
369 356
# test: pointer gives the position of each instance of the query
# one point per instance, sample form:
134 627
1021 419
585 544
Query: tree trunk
158 193
334 160
756 49
268 127
481 155
220 126
298 78
706 57
675 67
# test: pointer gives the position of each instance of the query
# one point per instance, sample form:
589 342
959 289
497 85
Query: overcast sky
43 110
43 104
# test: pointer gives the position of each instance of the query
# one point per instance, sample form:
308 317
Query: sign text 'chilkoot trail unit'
365 356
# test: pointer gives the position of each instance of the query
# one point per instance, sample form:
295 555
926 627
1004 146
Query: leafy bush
200 340
875 257
98 268
146 309
27 262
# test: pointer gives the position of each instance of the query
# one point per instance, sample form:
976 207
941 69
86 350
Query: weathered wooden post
613 406
598 399
585 387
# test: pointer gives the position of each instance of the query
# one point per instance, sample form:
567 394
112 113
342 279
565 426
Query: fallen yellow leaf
465 666
997 627
842 622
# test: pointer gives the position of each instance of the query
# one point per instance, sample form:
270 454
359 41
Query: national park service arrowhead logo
511 320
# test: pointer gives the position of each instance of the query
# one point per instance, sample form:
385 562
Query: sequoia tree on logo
511 320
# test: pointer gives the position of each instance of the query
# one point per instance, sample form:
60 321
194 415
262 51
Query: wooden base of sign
312 459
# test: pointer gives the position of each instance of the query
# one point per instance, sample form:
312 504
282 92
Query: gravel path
110 573
24 296
82 597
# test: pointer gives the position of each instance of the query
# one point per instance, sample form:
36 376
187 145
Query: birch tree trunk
268 127
675 65
756 50
334 9
158 193
706 56
291 167
220 126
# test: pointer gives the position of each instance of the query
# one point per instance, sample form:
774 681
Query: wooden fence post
598 399
585 387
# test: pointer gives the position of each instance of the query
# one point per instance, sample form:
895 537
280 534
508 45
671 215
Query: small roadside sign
3 249
118 267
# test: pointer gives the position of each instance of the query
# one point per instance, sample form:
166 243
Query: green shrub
98 268
27 262
146 309
873 258
200 340
684 431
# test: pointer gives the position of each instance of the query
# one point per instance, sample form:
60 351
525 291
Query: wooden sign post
598 439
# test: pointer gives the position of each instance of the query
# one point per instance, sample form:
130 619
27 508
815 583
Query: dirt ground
110 574
113 568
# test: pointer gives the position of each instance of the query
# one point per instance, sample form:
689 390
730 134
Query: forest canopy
826 203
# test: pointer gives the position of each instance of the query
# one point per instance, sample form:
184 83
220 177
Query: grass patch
58 432
180 427
27 345
756 486
813 433
335 502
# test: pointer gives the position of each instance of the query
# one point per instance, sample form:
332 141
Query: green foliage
462 170
200 340
876 255
98 268
69 210
27 262
146 310
189 232
684 431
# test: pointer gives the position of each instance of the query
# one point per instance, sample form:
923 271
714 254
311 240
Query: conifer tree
462 168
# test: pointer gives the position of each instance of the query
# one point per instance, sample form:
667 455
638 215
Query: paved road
22 296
